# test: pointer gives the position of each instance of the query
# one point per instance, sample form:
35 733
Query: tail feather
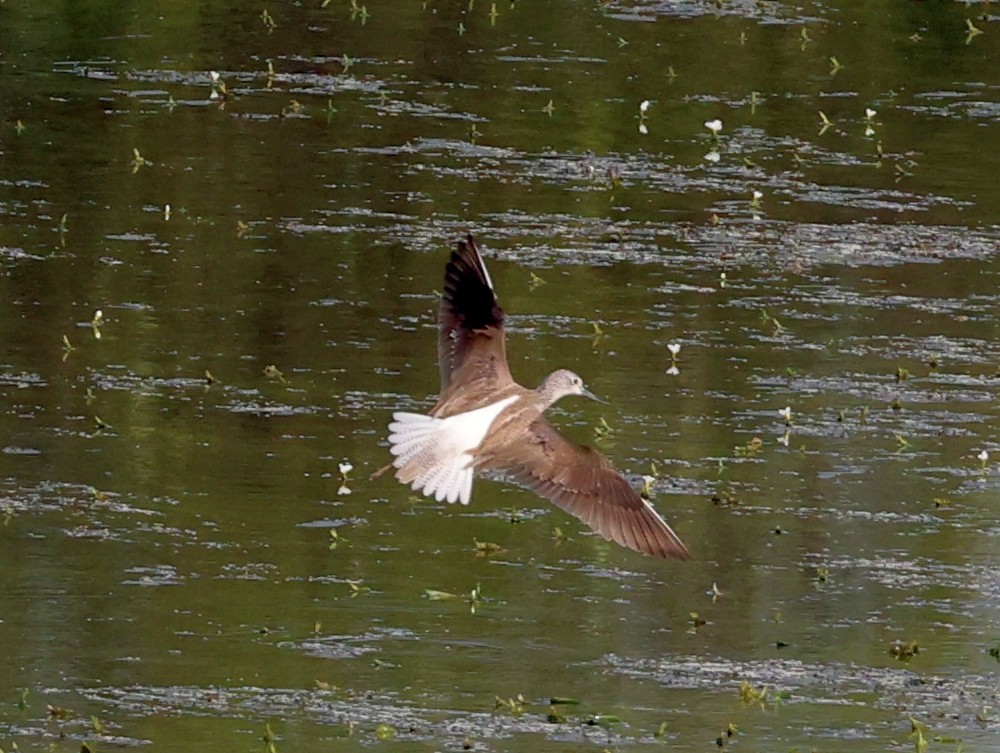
425 460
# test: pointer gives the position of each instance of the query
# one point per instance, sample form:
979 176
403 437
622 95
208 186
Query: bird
485 421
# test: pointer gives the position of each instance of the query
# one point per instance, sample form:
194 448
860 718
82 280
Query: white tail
433 454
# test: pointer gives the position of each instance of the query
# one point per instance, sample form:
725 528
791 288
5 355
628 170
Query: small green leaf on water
563 701
661 731
604 720
272 372
434 595
22 699
995 652
384 731
96 725
19 127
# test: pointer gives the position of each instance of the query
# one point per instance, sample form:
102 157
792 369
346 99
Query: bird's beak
587 393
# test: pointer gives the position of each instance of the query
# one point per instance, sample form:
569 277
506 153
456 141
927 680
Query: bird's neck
546 394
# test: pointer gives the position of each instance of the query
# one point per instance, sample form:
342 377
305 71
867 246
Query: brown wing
470 321
583 483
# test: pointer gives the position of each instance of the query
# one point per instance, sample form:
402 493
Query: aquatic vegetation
971 31
359 12
825 123
918 733
218 91
786 414
835 66
269 739
138 161
269 23
273 372
513 706
750 696
904 650
486 548
646 492
726 734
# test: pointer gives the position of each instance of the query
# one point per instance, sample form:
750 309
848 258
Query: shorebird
484 420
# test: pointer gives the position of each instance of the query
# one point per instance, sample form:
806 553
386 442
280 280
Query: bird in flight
484 420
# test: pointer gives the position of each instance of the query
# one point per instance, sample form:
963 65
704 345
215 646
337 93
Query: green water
165 541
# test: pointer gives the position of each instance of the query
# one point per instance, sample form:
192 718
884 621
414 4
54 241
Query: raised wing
470 321
583 483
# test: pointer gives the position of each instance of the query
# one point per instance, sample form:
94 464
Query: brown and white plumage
484 420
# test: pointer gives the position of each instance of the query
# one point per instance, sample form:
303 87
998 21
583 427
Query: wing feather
583 483
470 321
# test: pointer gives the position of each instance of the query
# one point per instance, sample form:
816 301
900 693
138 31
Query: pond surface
267 193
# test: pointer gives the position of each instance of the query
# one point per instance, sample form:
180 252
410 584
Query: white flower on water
343 490
642 129
214 75
870 114
345 468
786 413
869 131
673 370
757 196
644 106
714 126
166 212
713 156
983 456
674 349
